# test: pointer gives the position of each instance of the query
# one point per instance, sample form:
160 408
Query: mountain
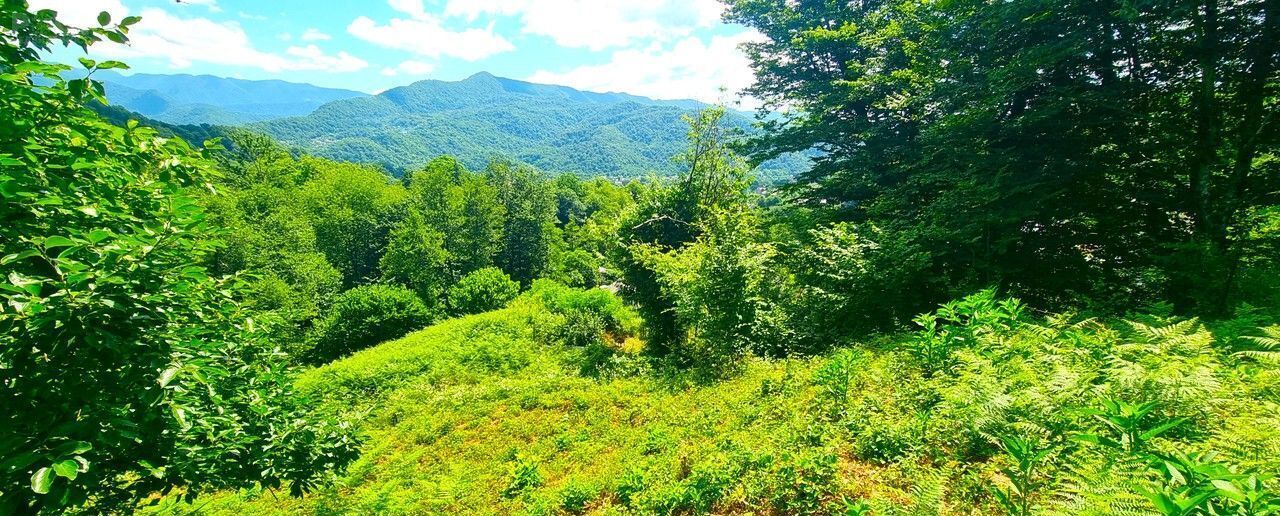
205 99
554 128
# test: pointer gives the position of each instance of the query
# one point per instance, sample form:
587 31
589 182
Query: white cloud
183 41
247 16
596 24
426 35
715 71
409 67
82 13
311 57
315 35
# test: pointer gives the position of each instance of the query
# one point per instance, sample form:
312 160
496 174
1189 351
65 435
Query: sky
668 49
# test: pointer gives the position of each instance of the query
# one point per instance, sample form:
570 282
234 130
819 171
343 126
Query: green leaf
1162 428
98 235
87 63
22 255
42 480
68 469
167 375
104 18
58 241
1229 490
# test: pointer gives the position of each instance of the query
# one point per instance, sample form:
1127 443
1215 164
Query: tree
668 217
415 257
125 368
718 288
529 233
353 208
464 208
1059 149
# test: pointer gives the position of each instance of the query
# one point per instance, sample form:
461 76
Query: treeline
321 239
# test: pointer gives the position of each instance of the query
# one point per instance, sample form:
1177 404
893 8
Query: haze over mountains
554 128
205 99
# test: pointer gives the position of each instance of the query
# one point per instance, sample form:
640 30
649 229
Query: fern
1094 485
1266 346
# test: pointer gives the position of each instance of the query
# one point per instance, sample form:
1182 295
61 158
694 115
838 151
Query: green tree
353 208
1111 151
668 217
529 234
718 287
464 208
125 368
415 257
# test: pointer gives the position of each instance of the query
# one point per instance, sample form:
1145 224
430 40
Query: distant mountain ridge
206 99
555 128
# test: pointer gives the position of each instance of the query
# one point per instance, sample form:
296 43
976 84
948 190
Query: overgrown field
497 413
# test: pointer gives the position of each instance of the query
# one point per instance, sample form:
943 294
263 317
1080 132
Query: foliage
1112 153
484 117
125 367
529 229
670 217
362 317
718 290
481 291
415 257
464 208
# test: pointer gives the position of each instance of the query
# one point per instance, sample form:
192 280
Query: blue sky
657 48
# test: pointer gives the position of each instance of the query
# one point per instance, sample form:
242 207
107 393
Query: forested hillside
1033 269
204 99
483 117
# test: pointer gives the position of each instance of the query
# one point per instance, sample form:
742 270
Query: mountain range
554 128
205 99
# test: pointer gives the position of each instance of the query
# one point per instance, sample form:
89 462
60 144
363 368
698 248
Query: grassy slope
457 414
452 409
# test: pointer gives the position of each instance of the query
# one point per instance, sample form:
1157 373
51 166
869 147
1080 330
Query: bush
365 316
482 291
594 320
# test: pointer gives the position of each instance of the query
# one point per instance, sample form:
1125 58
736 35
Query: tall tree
670 216
529 233
1059 148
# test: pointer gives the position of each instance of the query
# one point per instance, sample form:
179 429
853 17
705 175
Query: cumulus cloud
183 41
82 13
713 71
315 35
409 67
426 35
596 24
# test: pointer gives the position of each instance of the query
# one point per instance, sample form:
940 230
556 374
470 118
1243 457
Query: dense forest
1032 269
481 117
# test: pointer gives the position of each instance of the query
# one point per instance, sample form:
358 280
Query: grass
490 414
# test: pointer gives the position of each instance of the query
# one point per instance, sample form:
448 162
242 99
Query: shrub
522 475
575 496
365 316
594 320
481 291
